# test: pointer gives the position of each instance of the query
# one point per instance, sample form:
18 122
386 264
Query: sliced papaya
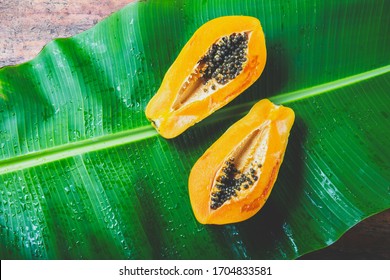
232 180
223 58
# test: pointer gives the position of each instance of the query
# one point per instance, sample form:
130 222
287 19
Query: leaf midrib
145 132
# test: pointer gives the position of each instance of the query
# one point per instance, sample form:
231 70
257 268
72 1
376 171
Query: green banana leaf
83 175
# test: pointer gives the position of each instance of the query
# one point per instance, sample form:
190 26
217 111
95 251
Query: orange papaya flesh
222 59
232 180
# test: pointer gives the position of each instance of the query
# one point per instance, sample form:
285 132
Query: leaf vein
141 133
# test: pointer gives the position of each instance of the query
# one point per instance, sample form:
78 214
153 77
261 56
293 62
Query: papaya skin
272 125
166 113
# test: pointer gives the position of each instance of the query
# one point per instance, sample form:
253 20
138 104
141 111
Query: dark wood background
27 25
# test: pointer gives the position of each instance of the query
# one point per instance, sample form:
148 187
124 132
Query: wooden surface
27 25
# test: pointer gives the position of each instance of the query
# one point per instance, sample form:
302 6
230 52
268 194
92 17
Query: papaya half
232 180
223 58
